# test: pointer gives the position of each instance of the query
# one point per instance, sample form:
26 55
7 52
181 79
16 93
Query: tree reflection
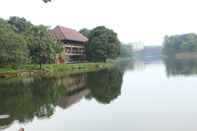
180 66
25 99
104 85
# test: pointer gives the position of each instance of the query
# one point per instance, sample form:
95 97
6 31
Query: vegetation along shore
30 49
51 69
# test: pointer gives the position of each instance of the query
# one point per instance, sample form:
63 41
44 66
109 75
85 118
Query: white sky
134 20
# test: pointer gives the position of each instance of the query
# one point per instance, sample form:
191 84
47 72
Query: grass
58 69
5 70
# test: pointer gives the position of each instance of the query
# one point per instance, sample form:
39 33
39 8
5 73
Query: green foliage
28 98
104 85
85 32
46 1
126 50
179 44
13 48
20 25
22 42
103 43
43 48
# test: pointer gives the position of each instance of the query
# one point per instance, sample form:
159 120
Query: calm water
140 96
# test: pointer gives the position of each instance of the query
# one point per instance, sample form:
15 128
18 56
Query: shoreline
54 69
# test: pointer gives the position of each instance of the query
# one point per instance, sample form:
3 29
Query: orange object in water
21 129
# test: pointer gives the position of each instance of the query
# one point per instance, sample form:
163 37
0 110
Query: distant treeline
149 51
180 44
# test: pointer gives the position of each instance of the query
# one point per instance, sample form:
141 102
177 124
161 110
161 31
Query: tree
20 25
43 48
85 32
46 1
13 49
103 43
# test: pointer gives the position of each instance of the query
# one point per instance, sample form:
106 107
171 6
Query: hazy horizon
133 20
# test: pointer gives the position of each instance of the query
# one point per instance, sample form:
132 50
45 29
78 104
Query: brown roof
63 33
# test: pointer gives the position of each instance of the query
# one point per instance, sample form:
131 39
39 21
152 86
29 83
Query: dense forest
180 44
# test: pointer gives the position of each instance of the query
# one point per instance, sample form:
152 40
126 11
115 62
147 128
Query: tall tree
43 48
46 1
13 49
20 25
103 43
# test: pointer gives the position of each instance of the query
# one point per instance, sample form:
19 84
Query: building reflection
69 100
74 89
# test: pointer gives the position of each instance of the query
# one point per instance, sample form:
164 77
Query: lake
145 95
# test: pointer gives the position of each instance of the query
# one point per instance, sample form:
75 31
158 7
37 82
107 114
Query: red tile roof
63 33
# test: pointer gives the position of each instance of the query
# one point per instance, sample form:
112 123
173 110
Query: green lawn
4 70
61 68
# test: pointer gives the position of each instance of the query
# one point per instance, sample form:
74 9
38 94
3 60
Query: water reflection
25 99
184 67
105 85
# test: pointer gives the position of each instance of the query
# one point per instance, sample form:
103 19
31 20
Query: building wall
72 49
72 53
137 46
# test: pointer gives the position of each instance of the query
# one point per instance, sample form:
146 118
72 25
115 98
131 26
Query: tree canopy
20 25
13 49
22 42
103 43
42 47
46 1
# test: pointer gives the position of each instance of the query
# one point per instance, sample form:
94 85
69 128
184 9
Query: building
74 44
137 46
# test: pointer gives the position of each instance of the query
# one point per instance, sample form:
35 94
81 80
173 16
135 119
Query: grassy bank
54 69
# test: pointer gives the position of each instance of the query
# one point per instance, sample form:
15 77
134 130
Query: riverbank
51 69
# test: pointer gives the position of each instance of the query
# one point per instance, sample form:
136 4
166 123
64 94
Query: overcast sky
134 20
